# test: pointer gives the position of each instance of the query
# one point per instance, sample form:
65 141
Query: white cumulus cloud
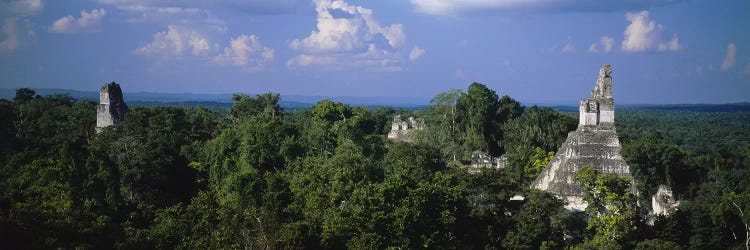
644 34
730 58
349 40
416 53
247 52
606 43
87 22
175 41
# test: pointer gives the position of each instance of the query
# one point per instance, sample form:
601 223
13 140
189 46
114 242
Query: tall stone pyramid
594 143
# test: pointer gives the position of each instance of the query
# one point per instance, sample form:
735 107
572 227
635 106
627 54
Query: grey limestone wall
112 108
401 127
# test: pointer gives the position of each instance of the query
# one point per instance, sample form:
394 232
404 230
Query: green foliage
42 196
461 123
259 176
534 223
266 105
530 138
656 244
444 131
478 109
24 95
538 161
611 205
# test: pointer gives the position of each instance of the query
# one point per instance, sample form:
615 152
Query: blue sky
661 51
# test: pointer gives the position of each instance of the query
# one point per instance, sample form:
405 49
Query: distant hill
215 100
224 100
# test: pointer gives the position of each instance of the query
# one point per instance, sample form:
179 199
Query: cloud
606 44
20 7
345 34
490 7
14 32
593 48
247 52
644 34
311 60
252 6
416 53
175 42
349 39
729 59
672 45
88 22
747 67
568 47
195 14
373 59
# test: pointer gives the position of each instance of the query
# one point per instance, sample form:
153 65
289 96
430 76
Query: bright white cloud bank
247 52
730 59
644 34
87 22
349 41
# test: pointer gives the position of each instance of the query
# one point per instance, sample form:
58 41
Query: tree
445 126
24 95
542 128
478 108
656 162
264 104
610 204
43 203
656 244
533 224
538 161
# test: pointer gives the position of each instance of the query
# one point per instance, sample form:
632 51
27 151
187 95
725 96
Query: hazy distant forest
258 176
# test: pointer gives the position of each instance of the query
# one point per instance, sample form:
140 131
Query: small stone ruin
401 128
663 202
481 160
112 108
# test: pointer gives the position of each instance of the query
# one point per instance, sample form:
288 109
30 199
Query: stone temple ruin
112 108
594 143
401 128
481 160
663 202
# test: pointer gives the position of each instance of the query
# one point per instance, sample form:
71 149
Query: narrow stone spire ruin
594 143
112 108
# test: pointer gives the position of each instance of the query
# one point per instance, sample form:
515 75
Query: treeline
259 176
